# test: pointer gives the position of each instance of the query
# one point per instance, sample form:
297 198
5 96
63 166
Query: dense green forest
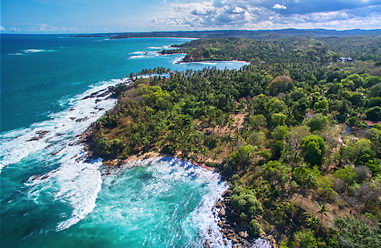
288 56
253 34
296 133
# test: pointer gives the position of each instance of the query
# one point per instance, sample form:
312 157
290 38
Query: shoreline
181 61
222 213
121 38
212 61
220 209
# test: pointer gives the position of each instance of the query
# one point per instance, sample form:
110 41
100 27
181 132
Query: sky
90 16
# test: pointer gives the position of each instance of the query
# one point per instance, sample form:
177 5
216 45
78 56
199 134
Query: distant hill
266 34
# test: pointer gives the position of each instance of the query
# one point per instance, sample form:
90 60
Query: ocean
51 194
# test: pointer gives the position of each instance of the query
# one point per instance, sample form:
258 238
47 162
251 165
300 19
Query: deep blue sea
51 196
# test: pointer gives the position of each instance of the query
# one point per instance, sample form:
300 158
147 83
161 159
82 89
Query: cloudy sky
75 16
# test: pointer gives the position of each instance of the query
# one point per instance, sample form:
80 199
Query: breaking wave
76 180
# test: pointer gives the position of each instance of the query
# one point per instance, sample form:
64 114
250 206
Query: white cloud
14 29
263 14
46 28
279 6
2 28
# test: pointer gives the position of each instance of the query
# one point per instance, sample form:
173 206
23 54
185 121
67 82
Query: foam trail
137 52
37 51
16 54
143 54
159 48
178 59
202 217
76 181
19 144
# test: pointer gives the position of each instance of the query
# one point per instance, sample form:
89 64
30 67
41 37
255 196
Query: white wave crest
137 52
16 54
178 59
76 181
37 51
31 51
159 48
143 54
203 216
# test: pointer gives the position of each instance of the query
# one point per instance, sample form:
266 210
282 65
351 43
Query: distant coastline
258 34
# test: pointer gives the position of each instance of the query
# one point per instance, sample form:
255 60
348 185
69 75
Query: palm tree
323 209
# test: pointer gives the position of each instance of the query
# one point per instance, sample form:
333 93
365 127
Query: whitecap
137 52
37 51
159 48
178 59
143 54
76 181
16 54
17 145
172 170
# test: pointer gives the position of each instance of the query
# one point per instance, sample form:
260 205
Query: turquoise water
51 195
37 83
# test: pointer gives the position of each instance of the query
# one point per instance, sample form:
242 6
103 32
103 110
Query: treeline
301 148
298 57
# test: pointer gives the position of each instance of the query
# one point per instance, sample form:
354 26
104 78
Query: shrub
280 132
374 114
306 176
254 227
321 106
257 121
318 122
325 187
373 101
313 148
362 173
278 119
356 233
243 154
360 151
274 105
347 174
375 90
276 171
305 239
108 120
244 201
277 149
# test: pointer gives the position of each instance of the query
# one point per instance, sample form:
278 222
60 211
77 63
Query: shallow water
51 196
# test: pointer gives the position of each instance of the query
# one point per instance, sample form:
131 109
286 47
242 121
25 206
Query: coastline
220 209
229 173
210 61
222 212
132 37
181 61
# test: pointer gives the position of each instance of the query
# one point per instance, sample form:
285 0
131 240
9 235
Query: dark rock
82 119
222 211
40 134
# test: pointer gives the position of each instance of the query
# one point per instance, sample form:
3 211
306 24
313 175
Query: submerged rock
40 134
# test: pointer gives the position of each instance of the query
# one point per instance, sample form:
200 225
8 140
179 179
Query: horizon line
206 30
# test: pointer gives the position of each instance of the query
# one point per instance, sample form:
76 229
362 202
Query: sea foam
37 51
171 170
143 54
76 181
31 51
159 48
